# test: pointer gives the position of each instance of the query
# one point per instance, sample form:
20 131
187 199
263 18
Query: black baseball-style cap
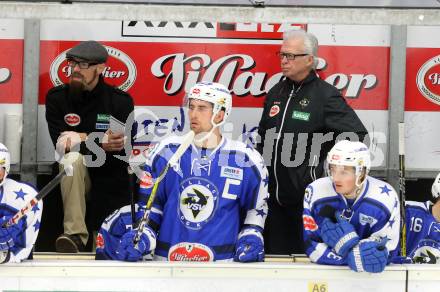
89 51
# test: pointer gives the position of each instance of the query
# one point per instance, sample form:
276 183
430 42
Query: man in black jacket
302 116
75 112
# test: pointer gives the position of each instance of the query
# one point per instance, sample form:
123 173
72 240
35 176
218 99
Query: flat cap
89 51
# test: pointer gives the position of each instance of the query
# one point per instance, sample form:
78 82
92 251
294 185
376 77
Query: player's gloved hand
129 251
341 236
369 256
8 235
250 246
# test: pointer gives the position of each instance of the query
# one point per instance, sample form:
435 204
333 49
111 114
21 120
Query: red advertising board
11 70
159 73
423 79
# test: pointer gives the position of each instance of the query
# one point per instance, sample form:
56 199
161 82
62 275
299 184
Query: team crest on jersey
198 201
427 248
309 223
190 252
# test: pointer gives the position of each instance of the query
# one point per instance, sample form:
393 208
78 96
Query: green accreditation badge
297 115
103 118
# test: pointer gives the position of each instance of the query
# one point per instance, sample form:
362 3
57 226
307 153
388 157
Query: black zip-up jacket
296 113
93 108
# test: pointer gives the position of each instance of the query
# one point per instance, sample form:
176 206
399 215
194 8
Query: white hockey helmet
215 93
348 153
5 161
435 190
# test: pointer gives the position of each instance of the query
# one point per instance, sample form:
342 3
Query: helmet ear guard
215 93
435 189
348 153
5 161
219 96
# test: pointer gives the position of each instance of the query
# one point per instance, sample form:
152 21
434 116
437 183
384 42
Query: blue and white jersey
202 204
422 230
14 196
374 214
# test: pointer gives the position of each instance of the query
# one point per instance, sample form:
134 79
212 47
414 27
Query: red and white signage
158 62
422 98
158 72
11 61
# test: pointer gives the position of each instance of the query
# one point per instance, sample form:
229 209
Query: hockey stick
132 200
173 160
402 188
68 170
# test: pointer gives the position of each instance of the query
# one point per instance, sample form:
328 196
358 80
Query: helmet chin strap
208 136
205 137
359 184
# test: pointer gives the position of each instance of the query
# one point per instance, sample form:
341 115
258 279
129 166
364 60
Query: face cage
4 177
358 171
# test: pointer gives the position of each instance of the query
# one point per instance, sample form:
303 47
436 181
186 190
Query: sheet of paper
116 126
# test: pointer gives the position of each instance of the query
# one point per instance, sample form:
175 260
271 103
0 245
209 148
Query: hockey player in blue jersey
16 241
211 207
349 217
423 228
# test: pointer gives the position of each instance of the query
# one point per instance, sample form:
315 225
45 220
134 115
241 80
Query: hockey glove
250 246
8 235
369 256
129 251
341 236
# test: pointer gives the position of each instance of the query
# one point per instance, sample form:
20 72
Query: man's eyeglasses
289 56
82 65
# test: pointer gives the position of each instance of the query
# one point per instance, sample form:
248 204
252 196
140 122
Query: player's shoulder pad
418 205
247 150
320 189
118 215
12 185
165 148
381 192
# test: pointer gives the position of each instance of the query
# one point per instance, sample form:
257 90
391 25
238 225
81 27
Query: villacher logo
120 70
428 80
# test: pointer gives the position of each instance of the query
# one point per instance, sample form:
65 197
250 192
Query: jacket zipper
292 92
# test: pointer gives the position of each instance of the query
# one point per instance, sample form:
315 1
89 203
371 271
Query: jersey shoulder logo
365 219
309 223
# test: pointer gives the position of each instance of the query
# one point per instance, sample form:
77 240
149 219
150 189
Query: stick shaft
171 162
402 192
41 194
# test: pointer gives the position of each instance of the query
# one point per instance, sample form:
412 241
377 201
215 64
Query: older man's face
298 68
